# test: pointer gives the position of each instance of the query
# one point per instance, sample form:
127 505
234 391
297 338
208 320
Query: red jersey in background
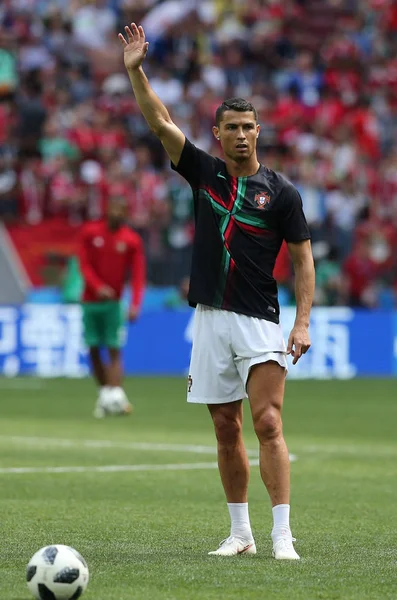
107 257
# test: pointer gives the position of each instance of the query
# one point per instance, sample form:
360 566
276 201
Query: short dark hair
237 104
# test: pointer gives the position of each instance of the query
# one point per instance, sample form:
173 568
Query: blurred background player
109 252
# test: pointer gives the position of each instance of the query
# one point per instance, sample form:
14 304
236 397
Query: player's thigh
213 376
258 342
92 325
265 388
114 325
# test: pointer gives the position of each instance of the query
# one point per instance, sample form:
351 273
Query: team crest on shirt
262 199
121 247
98 242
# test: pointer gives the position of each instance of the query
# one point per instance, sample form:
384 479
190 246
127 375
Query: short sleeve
293 222
192 163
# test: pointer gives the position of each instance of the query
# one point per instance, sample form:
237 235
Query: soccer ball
57 573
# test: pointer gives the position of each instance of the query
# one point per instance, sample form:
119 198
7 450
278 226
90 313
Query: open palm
135 46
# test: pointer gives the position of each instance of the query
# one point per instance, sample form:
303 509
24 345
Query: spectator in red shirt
109 249
360 272
32 190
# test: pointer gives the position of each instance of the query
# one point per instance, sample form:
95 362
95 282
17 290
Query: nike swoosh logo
220 175
245 549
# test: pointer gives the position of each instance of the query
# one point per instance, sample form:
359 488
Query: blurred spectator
343 206
304 77
32 189
55 144
360 272
330 285
93 24
31 113
80 88
8 66
8 188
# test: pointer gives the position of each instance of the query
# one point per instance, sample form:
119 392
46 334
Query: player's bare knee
268 425
227 429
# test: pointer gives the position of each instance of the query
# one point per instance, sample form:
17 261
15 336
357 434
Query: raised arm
299 339
154 111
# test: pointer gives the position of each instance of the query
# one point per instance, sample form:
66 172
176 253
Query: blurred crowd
322 74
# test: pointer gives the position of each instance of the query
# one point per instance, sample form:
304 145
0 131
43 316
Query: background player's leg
99 370
98 366
117 399
265 389
115 367
93 334
232 456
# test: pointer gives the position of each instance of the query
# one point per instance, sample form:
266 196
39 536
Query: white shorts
225 347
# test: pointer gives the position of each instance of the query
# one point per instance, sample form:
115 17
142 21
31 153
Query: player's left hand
298 342
133 314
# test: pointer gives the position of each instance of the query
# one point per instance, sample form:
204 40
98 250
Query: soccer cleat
112 401
99 411
232 546
117 403
283 548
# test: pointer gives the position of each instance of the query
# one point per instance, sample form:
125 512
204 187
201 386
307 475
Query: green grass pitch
146 521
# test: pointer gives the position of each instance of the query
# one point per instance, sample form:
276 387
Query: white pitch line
20 384
102 444
78 443
114 468
361 451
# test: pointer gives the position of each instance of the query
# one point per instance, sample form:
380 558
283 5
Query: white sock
240 521
281 520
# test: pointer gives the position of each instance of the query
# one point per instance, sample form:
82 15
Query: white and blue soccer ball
57 573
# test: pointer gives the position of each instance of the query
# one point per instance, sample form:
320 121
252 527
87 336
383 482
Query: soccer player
109 249
243 211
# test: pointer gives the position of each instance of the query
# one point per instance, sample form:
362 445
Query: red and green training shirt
240 224
108 257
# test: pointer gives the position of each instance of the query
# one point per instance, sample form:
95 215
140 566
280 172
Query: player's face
117 212
238 132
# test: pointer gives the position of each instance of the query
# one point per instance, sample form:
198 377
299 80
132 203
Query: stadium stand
322 73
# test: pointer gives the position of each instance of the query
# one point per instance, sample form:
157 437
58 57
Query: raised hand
135 47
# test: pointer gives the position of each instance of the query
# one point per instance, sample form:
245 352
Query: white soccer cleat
99 411
117 402
283 548
232 546
112 401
